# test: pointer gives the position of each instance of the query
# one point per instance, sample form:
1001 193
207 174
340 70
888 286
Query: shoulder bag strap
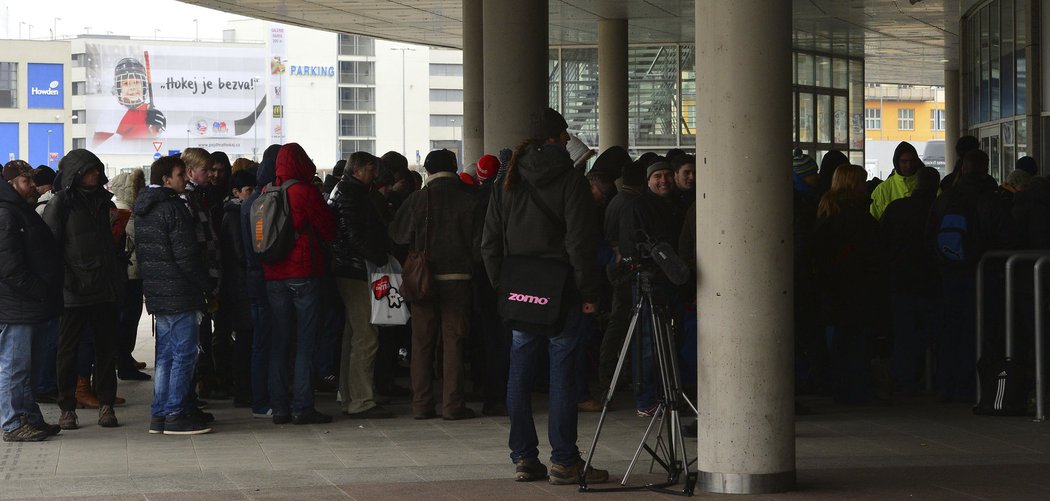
426 228
559 222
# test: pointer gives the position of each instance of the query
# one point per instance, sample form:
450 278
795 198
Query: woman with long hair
848 265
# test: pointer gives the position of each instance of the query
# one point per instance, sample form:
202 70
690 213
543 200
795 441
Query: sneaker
650 412
282 419
311 417
184 425
590 405
565 475
529 469
50 429
106 417
25 433
377 412
199 415
266 414
327 384
156 425
68 420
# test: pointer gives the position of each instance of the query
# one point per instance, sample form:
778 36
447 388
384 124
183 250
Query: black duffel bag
535 294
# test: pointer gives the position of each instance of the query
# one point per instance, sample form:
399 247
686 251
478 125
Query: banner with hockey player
139 95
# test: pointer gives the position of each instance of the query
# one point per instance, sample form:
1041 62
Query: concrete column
745 345
515 68
952 117
473 83
612 83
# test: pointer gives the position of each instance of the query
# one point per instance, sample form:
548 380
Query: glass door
990 144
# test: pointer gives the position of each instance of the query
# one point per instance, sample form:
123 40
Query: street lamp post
196 31
155 30
54 28
187 138
255 120
404 111
49 147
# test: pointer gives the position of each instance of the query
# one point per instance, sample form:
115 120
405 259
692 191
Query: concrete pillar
744 234
612 83
952 117
473 83
515 67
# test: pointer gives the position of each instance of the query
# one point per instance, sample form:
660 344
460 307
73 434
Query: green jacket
897 186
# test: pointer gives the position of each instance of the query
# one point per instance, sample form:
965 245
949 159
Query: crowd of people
84 254
885 271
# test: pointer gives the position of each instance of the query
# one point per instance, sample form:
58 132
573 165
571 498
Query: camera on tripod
660 254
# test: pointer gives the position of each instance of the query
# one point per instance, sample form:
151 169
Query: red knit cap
488 166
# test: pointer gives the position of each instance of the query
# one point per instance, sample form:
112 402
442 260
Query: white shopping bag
388 307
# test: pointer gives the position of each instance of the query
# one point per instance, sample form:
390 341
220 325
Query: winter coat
660 218
201 204
911 265
312 220
362 232
849 264
232 296
1031 216
515 225
254 281
896 187
30 283
454 233
615 210
125 189
986 219
174 279
80 221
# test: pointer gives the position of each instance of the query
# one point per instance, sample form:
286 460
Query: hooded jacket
311 218
30 283
986 217
515 219
80 221
125 190
362 230
896 186
849 264
254 281
455 230
232 294
174 279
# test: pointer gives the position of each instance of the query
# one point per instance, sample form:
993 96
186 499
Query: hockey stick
149 78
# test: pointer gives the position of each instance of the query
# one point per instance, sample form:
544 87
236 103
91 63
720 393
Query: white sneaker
263 415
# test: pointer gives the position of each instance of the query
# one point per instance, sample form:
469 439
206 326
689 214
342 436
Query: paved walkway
915 448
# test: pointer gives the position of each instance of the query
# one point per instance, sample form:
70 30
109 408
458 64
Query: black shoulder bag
533 290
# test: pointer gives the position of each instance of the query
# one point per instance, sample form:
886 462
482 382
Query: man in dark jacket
176 288
79 218
255 289
362 236
293 286
451 238
542 172
236 307
30 295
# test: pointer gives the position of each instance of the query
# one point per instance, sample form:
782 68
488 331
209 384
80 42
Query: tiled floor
915 449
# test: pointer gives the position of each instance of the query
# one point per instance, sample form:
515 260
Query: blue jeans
561 425
916 324
299 299
176 352
16 393
45 359
586 329
261 333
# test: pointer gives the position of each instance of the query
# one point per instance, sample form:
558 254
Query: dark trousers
329 344
128 326
102 319
957 343
447 314
242 365
494 340
615 331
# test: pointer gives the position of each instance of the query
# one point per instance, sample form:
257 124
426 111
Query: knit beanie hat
43 175
1027 164
657 166
16 168
440 161
488 165
242 179
802 166
548 124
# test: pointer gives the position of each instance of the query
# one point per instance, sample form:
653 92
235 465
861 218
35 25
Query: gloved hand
156 120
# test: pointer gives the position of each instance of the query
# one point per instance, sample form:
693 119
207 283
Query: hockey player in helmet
130 87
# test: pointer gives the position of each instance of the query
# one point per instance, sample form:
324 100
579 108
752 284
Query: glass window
805 117
1022 138
823 71
1021 63
350 146
446 70
1006 62
936 119
993 31
872 118
839 69
688 119
653 107
824 112
78 60
79 116
906 119
554 70
356 125
805 69
79 143
840 121
356 72
446 95
446 120
356 45
856 104
8 85
79 88
986 69
357 99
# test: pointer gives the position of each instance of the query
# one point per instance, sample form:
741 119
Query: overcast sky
136 18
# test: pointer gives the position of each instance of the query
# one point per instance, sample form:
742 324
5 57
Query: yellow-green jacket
897 186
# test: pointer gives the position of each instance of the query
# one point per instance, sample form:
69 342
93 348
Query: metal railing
1013 258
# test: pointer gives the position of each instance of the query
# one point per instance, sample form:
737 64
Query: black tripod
669 450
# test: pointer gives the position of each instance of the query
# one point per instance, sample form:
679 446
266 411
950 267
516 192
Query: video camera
662 255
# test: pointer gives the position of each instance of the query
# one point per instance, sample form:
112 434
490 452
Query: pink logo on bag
525 298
